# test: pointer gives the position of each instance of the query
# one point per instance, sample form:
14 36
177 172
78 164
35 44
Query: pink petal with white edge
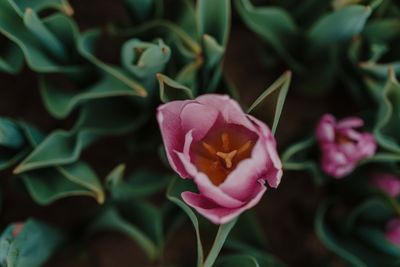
216 213
228 108
273 173
350 122
207 188
199 118
168 117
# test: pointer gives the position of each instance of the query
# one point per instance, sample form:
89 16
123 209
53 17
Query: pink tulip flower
388 183
393 231
341 145
228 154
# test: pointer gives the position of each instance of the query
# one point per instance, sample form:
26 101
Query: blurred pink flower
228 154
341 145
388 183
393 231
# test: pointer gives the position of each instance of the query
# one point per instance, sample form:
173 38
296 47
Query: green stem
222 234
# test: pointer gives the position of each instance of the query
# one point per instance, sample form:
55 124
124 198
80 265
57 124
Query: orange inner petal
218 154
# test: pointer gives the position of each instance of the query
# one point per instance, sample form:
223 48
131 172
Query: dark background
286 214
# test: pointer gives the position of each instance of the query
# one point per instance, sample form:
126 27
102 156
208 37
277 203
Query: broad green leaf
386 129
142 183
13 143
140 10
39 5
38 59
11 57
50 184
222 234
111 117
86 46
31 247
338 26
171 90
213 19
273 24
382 30
175 189
237 261
143 59
140 221
278 89
213 51
42 33
60 103
10 134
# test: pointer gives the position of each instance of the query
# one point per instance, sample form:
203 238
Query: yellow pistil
225 141
244 147
209 148
227 157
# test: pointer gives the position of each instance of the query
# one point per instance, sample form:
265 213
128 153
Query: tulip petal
219 214
228 108
206 187
168 116
199 118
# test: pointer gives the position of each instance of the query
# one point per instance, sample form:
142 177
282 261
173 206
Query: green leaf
41 5
10 134
273 24
382 30
140 9
11 57
386 129
86 46
213 51
142 183
280 89
111 117
31 247
59 26
338 26
50 184
171 90
46 37
175 189
213 19
139 220
237 261
222 234
60 103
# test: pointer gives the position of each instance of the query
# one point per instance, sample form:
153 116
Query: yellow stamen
244 147
209 148
227 157
225 141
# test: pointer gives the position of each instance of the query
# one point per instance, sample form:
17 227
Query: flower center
219 152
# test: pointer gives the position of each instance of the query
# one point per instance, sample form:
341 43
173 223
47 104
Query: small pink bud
393 231
388 183
341 145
